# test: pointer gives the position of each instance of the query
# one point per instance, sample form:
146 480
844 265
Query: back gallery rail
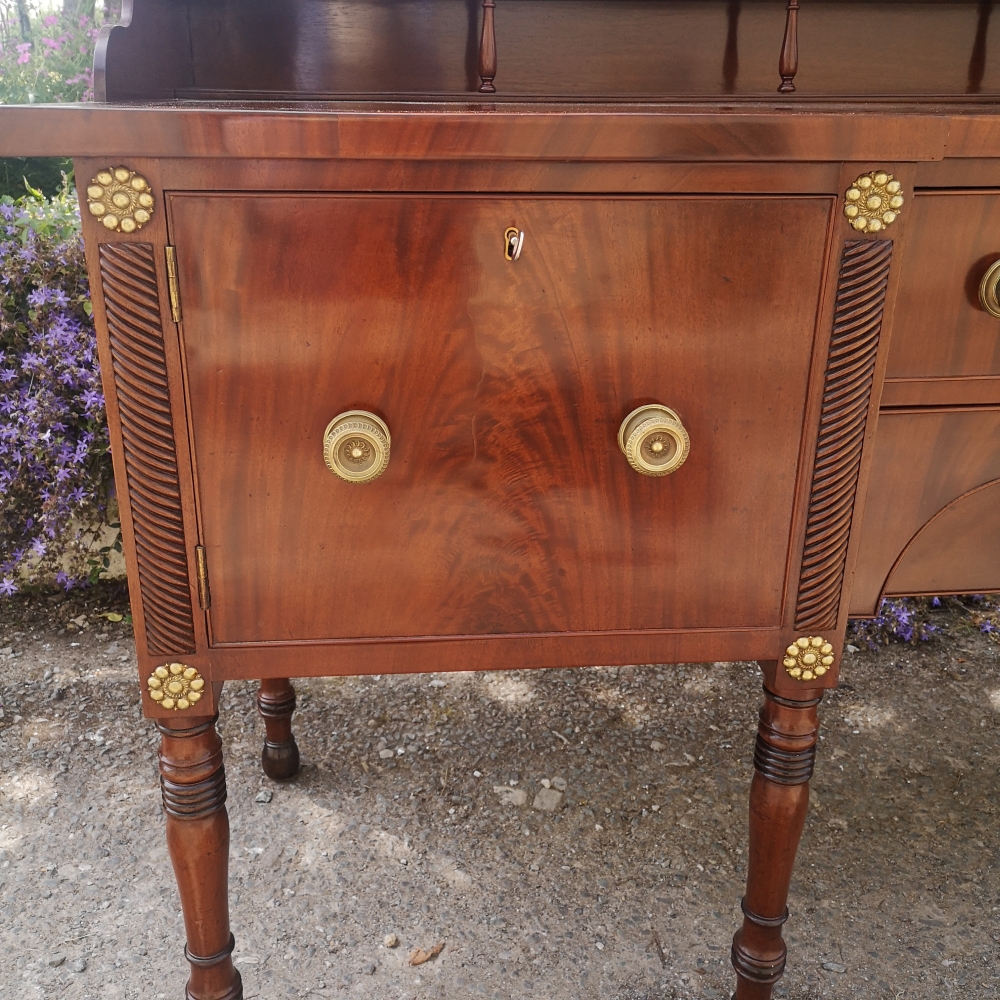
448 335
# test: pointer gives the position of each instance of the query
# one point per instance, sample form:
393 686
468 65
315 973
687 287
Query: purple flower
24 53
7 586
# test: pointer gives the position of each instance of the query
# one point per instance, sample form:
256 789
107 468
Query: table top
505 131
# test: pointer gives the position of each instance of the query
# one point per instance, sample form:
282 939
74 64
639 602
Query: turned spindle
783 760
193 783
488 50
789 64
977 61
731 57
276 703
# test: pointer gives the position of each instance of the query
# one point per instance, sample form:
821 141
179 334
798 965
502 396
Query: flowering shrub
905 619
55 470
984 613
54 64
900 619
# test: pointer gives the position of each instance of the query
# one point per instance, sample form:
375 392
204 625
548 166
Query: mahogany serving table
444 337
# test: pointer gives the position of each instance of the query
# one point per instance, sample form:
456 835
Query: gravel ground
626 890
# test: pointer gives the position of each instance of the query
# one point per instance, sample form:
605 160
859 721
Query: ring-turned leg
193 782
779 796
276 703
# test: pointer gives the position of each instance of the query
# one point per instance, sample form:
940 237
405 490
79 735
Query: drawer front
507 506
940 328
932 517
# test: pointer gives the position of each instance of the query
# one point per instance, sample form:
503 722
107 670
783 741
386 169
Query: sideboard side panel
850 374
128 281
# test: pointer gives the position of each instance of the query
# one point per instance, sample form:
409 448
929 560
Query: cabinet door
507 506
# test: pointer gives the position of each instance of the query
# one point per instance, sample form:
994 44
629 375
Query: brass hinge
204 593
172 286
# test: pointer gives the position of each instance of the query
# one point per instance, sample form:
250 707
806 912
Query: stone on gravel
559 784
386 754
390 940
656 745
56 960
368 968
511 796
548 800
78 965
264 795
834 967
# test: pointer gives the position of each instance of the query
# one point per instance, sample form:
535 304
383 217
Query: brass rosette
120 199
873 201
808 658
175 686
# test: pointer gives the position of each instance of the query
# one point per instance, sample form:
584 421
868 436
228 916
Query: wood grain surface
924 460
550 48
940 328
583 132
507 506
957 551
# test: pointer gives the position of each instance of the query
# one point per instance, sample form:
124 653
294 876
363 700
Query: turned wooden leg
779 795
193 782
276 703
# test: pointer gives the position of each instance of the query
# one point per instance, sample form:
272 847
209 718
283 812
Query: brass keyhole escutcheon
356 446
988 290
654 440
513 242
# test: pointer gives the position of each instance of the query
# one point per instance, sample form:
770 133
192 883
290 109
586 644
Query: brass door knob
654 440
988 290
356 446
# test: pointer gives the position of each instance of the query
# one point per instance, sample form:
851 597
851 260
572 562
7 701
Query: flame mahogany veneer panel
940 329
131 302
957 551
506 506
923 461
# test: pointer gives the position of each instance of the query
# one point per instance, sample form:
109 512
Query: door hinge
172 287
204 593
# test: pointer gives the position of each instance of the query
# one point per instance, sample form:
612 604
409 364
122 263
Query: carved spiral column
193 782
783 760
276 703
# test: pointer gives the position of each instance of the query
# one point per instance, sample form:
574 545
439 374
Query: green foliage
42 173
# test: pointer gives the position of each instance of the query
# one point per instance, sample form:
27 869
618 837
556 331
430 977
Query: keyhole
513 243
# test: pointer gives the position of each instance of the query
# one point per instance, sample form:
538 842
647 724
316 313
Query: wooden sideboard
440 336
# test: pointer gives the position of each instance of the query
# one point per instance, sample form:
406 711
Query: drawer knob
356 446
654 440
988 290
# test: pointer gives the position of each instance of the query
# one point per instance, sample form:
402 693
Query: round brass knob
654 440
356 446
988 290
